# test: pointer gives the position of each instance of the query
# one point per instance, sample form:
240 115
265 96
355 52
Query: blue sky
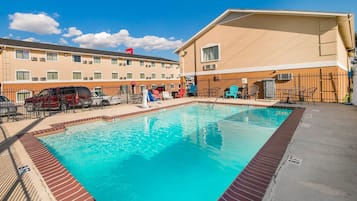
152 28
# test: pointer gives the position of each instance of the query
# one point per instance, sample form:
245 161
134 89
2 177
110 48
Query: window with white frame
114 61
51 56
52 75
153 64
22 75
77 75
129 75
76 58
163 76
115 76
142 75
172 86
96 60
172 75
22 95
153 86
210 53
153 76
22 54
162 65
142 63
97 75
98 90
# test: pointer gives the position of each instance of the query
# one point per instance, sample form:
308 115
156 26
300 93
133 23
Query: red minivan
59 98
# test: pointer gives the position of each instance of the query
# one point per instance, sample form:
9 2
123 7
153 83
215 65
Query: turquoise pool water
192 152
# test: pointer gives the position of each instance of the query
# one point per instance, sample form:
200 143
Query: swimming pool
191 152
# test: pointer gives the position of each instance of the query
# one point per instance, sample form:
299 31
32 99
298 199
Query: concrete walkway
326 141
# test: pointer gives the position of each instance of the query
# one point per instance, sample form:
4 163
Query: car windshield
4 99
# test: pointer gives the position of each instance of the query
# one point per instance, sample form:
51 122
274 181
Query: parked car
98 98
6 106
60 98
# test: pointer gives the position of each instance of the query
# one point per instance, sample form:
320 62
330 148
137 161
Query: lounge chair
151 97
233 92
156 94
166 95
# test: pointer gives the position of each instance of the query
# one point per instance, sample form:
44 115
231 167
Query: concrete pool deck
324 140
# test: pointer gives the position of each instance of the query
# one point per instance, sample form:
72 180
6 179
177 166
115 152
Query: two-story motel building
28 67
258 44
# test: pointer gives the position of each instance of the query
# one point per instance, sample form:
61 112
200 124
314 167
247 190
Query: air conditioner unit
209 67
34 78
124 78
43 78
85 78
33 58
85 62
285 76
90 78
42 59
90 62
120 64
121 78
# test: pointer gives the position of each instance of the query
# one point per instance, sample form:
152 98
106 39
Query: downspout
194 59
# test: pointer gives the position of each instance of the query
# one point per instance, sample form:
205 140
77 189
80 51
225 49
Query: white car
6 106
99 98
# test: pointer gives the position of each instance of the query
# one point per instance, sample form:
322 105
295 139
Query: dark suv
59 98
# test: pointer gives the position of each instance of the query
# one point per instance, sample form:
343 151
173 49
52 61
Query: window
22 75
210 53
163 76
98 90
153 86
153 76
22 95
129 76
52 75
22 54
162 65
142 63
51 56
77 75
172 86
129 62
172 75
97 75
142 75
114 61
76 58
152 64
115 76
96 60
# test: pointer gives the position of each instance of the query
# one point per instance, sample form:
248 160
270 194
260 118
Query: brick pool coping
250 184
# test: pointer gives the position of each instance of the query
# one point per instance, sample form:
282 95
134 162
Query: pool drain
294 160
22 170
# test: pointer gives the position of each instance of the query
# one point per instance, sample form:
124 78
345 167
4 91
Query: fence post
209 87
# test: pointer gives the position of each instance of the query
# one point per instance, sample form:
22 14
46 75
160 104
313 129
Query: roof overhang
345 22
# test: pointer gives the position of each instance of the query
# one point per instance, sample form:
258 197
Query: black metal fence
309 87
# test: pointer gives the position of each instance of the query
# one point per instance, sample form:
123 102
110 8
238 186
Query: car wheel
29 107
63 106
105 102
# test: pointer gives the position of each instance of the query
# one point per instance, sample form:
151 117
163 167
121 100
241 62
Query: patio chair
151 97
233 92
253 91
309 94
181 93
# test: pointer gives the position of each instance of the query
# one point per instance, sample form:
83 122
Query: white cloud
37 23
62 41
105 40
72 31
31 39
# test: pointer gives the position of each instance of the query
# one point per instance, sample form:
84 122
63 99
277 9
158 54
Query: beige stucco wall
342 55
267 40
65 67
